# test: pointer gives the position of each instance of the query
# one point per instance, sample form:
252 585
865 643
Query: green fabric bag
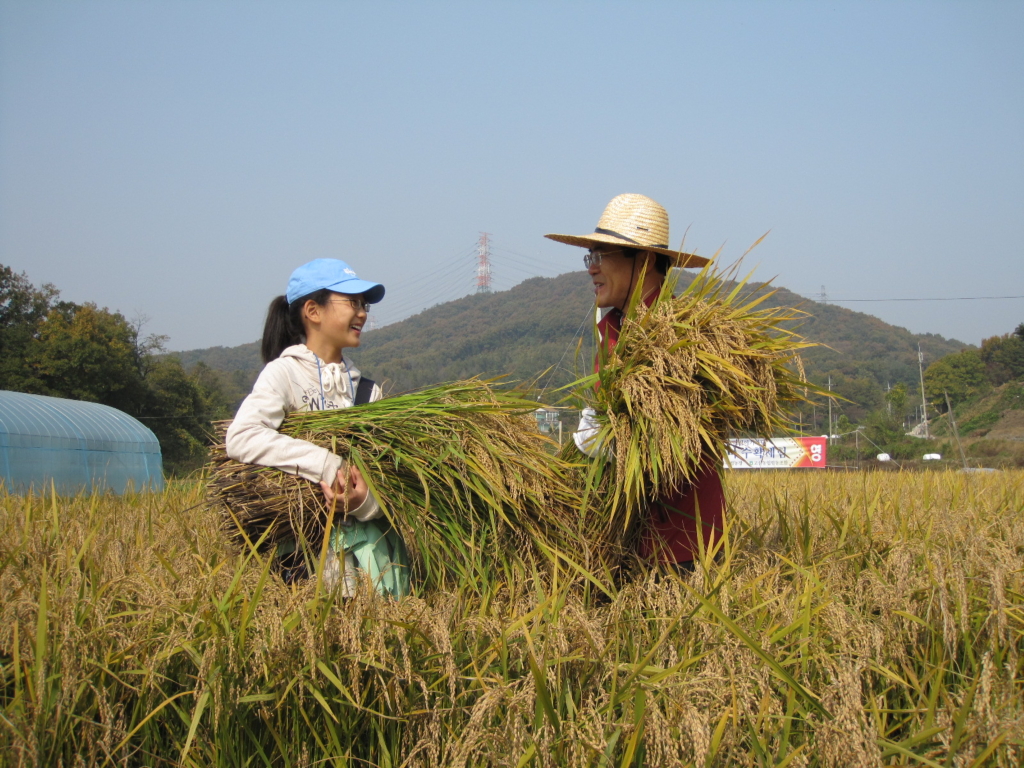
379 552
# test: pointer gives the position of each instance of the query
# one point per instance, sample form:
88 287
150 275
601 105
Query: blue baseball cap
334 275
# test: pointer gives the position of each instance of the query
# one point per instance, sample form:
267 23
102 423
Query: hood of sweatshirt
337 379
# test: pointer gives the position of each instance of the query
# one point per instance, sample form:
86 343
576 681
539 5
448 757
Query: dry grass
860 619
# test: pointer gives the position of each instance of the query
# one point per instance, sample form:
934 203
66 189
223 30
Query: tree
86 353
22 308
21 303
886 425
1003 357
860 394
181 405
82 352
180 408
896 404
961 375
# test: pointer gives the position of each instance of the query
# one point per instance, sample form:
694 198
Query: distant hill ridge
536 325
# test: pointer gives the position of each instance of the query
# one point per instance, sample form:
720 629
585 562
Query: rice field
845 620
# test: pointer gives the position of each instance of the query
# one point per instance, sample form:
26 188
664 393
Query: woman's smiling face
338 324
344 319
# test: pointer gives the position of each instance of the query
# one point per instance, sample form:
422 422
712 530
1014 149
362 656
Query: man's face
612 278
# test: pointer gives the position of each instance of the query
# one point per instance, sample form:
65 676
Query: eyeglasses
593 258
359 305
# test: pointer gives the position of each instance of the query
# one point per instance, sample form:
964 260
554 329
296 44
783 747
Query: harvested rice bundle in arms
460 469
685 375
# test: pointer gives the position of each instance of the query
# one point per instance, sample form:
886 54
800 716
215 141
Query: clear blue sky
179 159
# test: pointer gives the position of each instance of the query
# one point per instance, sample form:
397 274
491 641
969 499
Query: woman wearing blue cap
306 331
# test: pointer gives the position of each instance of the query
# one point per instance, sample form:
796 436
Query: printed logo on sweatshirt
314 401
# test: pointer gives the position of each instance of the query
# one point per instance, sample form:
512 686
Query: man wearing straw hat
630 248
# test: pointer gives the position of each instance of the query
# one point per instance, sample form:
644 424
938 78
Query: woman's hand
357 490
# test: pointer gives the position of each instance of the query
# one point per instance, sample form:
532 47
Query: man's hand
348 478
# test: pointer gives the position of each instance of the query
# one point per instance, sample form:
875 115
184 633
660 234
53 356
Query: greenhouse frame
74 446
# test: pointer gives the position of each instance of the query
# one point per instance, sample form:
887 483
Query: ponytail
284 326
278 331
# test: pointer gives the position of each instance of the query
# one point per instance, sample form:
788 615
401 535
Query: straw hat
634 221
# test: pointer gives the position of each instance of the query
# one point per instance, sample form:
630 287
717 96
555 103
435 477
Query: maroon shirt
671 530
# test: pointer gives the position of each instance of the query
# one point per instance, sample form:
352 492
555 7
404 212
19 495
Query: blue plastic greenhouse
76 446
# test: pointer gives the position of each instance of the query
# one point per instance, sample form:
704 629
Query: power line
450 269
207 416
447 270
943 298
444 279
422 302
449 265
571 343
533 261
432 289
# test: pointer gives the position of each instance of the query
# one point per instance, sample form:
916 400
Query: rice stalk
895 599
687 374
460 469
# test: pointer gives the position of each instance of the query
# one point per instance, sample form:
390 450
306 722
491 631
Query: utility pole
829 408
823 297
956 432
483 265
924 403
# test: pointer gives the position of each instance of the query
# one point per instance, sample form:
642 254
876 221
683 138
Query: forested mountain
537 325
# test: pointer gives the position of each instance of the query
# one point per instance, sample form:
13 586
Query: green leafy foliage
521 332
980 423
1003 357
180 408
985 388
885 426
84 352
961 376
233 369
22 308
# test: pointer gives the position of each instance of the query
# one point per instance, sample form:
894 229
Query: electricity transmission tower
483 265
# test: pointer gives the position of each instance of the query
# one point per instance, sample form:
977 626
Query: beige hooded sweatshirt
299 381
296 381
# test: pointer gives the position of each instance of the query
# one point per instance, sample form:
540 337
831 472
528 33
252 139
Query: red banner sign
777 453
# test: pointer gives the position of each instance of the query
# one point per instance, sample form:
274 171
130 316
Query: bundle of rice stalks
460 469
687 374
